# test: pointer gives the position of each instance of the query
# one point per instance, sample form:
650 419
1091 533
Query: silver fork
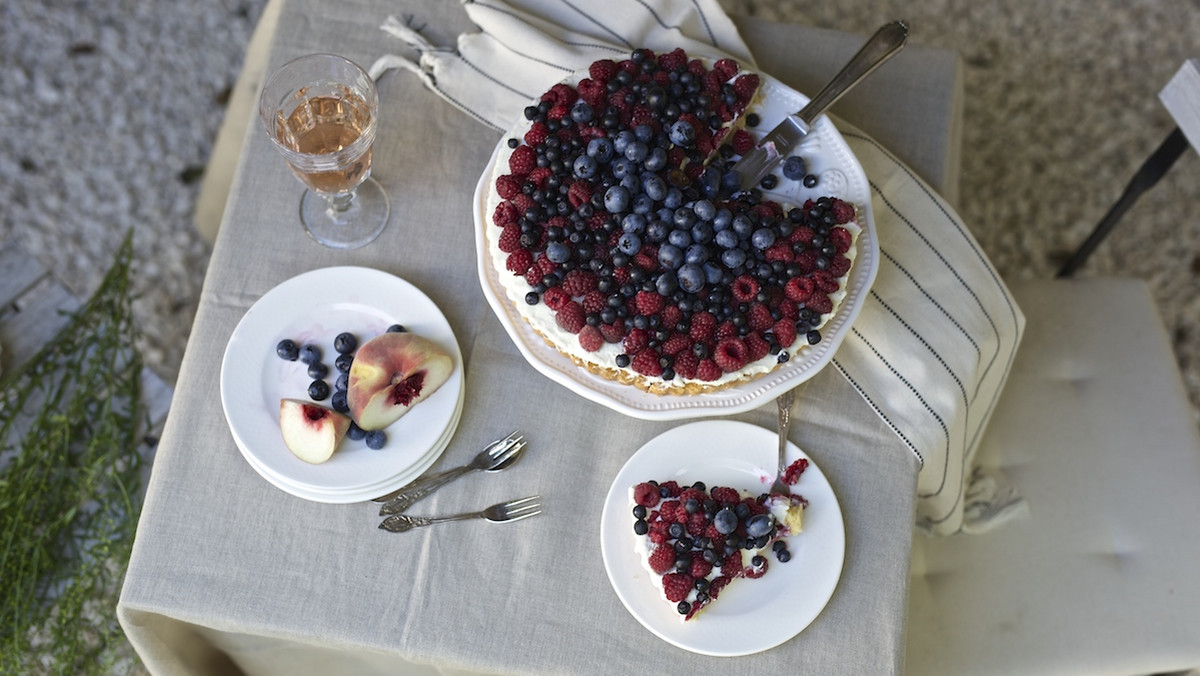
497 446
513 510
784 403
495 457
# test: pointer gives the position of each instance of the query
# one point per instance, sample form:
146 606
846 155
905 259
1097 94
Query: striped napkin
936 338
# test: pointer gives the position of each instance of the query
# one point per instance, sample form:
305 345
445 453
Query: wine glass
320 111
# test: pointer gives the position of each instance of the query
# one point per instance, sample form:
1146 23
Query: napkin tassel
990 502
404 29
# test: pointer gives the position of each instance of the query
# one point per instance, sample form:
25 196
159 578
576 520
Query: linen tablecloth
229 573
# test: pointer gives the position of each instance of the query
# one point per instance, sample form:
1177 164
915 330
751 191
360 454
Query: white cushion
1102 576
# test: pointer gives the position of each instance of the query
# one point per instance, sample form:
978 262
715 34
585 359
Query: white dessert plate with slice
750 615
315 307
829 157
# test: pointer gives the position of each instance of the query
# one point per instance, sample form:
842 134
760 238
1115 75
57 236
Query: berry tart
618 232
695 541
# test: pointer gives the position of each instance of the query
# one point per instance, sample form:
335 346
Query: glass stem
341 201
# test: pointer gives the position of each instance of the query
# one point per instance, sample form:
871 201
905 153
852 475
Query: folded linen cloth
936 338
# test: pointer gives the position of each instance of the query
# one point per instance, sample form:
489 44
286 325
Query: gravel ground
125 98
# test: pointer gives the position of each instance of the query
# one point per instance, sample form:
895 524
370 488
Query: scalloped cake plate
751 615
830 158
315 306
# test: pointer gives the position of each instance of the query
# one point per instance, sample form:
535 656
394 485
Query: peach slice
311 432
392 373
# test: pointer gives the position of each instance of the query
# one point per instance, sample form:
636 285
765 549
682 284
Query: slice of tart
695 541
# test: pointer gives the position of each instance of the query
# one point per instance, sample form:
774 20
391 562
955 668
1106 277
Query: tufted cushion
1102 576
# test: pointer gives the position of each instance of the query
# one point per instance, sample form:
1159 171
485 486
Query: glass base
356 224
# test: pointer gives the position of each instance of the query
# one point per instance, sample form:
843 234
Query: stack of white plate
314 308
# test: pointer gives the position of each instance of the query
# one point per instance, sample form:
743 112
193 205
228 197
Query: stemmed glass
320 112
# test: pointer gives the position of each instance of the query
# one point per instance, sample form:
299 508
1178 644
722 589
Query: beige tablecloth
229 572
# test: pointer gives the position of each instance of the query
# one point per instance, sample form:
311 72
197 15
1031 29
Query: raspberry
731 567
702 326
744 288
537 134
561 95
578 282
785 332
555 298
662 559
534 275
510 238
730 354
686 364
725 495
742 142
757 347
636 341
781 250
745 87
806 261
676 343
820 304
570 317
725 329
667 511
708 370
755 572
671 315
798 289
759 317
802 234
646 494
646 363
825 281
843 212
590 338
592 91
505 213
519 261
508 186
603 69
558 112
677 586
839 265
726 68
696 524
792 474
676 58
700 567
648 302
522 161
841 239
614 332
594 301
539 175
579 193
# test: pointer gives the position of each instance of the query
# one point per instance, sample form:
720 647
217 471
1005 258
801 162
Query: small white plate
751 615
828 156
315 307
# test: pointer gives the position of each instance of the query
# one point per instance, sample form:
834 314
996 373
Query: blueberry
783 356
710 182
637 152
629 244
731 181
581 111
726 239
558 252
345 343
287 349
354 432
783 555
680 238
725 521
634 223
318 390
742 510
794 168
622 141
757 561
622 360
684 607
343 362
713 274
338 401
310 354
673 199
639 511
643 133
642 204
584 167
666 284
397 328
656 160
759 525
813 337
733 258
654 187
696 254
376 439
762 238
656 231
601 150
702 232
342 383
704 210
676 530
722 219
691 505
616 199
641 527
779 545
810 180
670 256
682 133
743 225
317 371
